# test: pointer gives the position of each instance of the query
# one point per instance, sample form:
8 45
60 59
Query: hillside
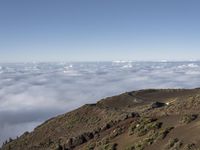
164 119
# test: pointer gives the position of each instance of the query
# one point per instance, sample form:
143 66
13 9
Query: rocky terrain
164 119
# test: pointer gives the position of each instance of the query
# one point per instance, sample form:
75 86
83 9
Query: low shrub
188 118
174 144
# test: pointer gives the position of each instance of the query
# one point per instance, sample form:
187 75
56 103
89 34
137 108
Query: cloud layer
30 93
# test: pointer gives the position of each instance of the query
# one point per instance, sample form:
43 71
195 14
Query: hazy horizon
96 61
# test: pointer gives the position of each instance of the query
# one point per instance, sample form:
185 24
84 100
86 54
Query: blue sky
89 30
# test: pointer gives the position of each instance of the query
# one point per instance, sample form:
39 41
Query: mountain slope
146 119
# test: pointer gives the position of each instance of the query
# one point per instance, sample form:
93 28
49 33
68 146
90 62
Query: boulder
157 105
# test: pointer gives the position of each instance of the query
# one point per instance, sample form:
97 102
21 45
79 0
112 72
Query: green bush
188 118
143 126
174 144
191 147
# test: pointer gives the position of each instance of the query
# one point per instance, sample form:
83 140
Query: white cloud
31 93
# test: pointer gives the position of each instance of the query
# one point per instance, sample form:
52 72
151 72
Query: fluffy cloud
33 92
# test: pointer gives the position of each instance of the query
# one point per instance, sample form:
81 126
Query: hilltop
139 120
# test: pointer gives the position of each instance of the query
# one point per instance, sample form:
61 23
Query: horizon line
115 61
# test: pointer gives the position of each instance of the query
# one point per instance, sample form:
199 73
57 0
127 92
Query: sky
99 30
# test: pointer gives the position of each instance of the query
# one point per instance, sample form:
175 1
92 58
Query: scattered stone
59 147
157 105
76 141
133 115
116 132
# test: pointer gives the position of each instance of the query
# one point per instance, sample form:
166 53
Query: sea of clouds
30 93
